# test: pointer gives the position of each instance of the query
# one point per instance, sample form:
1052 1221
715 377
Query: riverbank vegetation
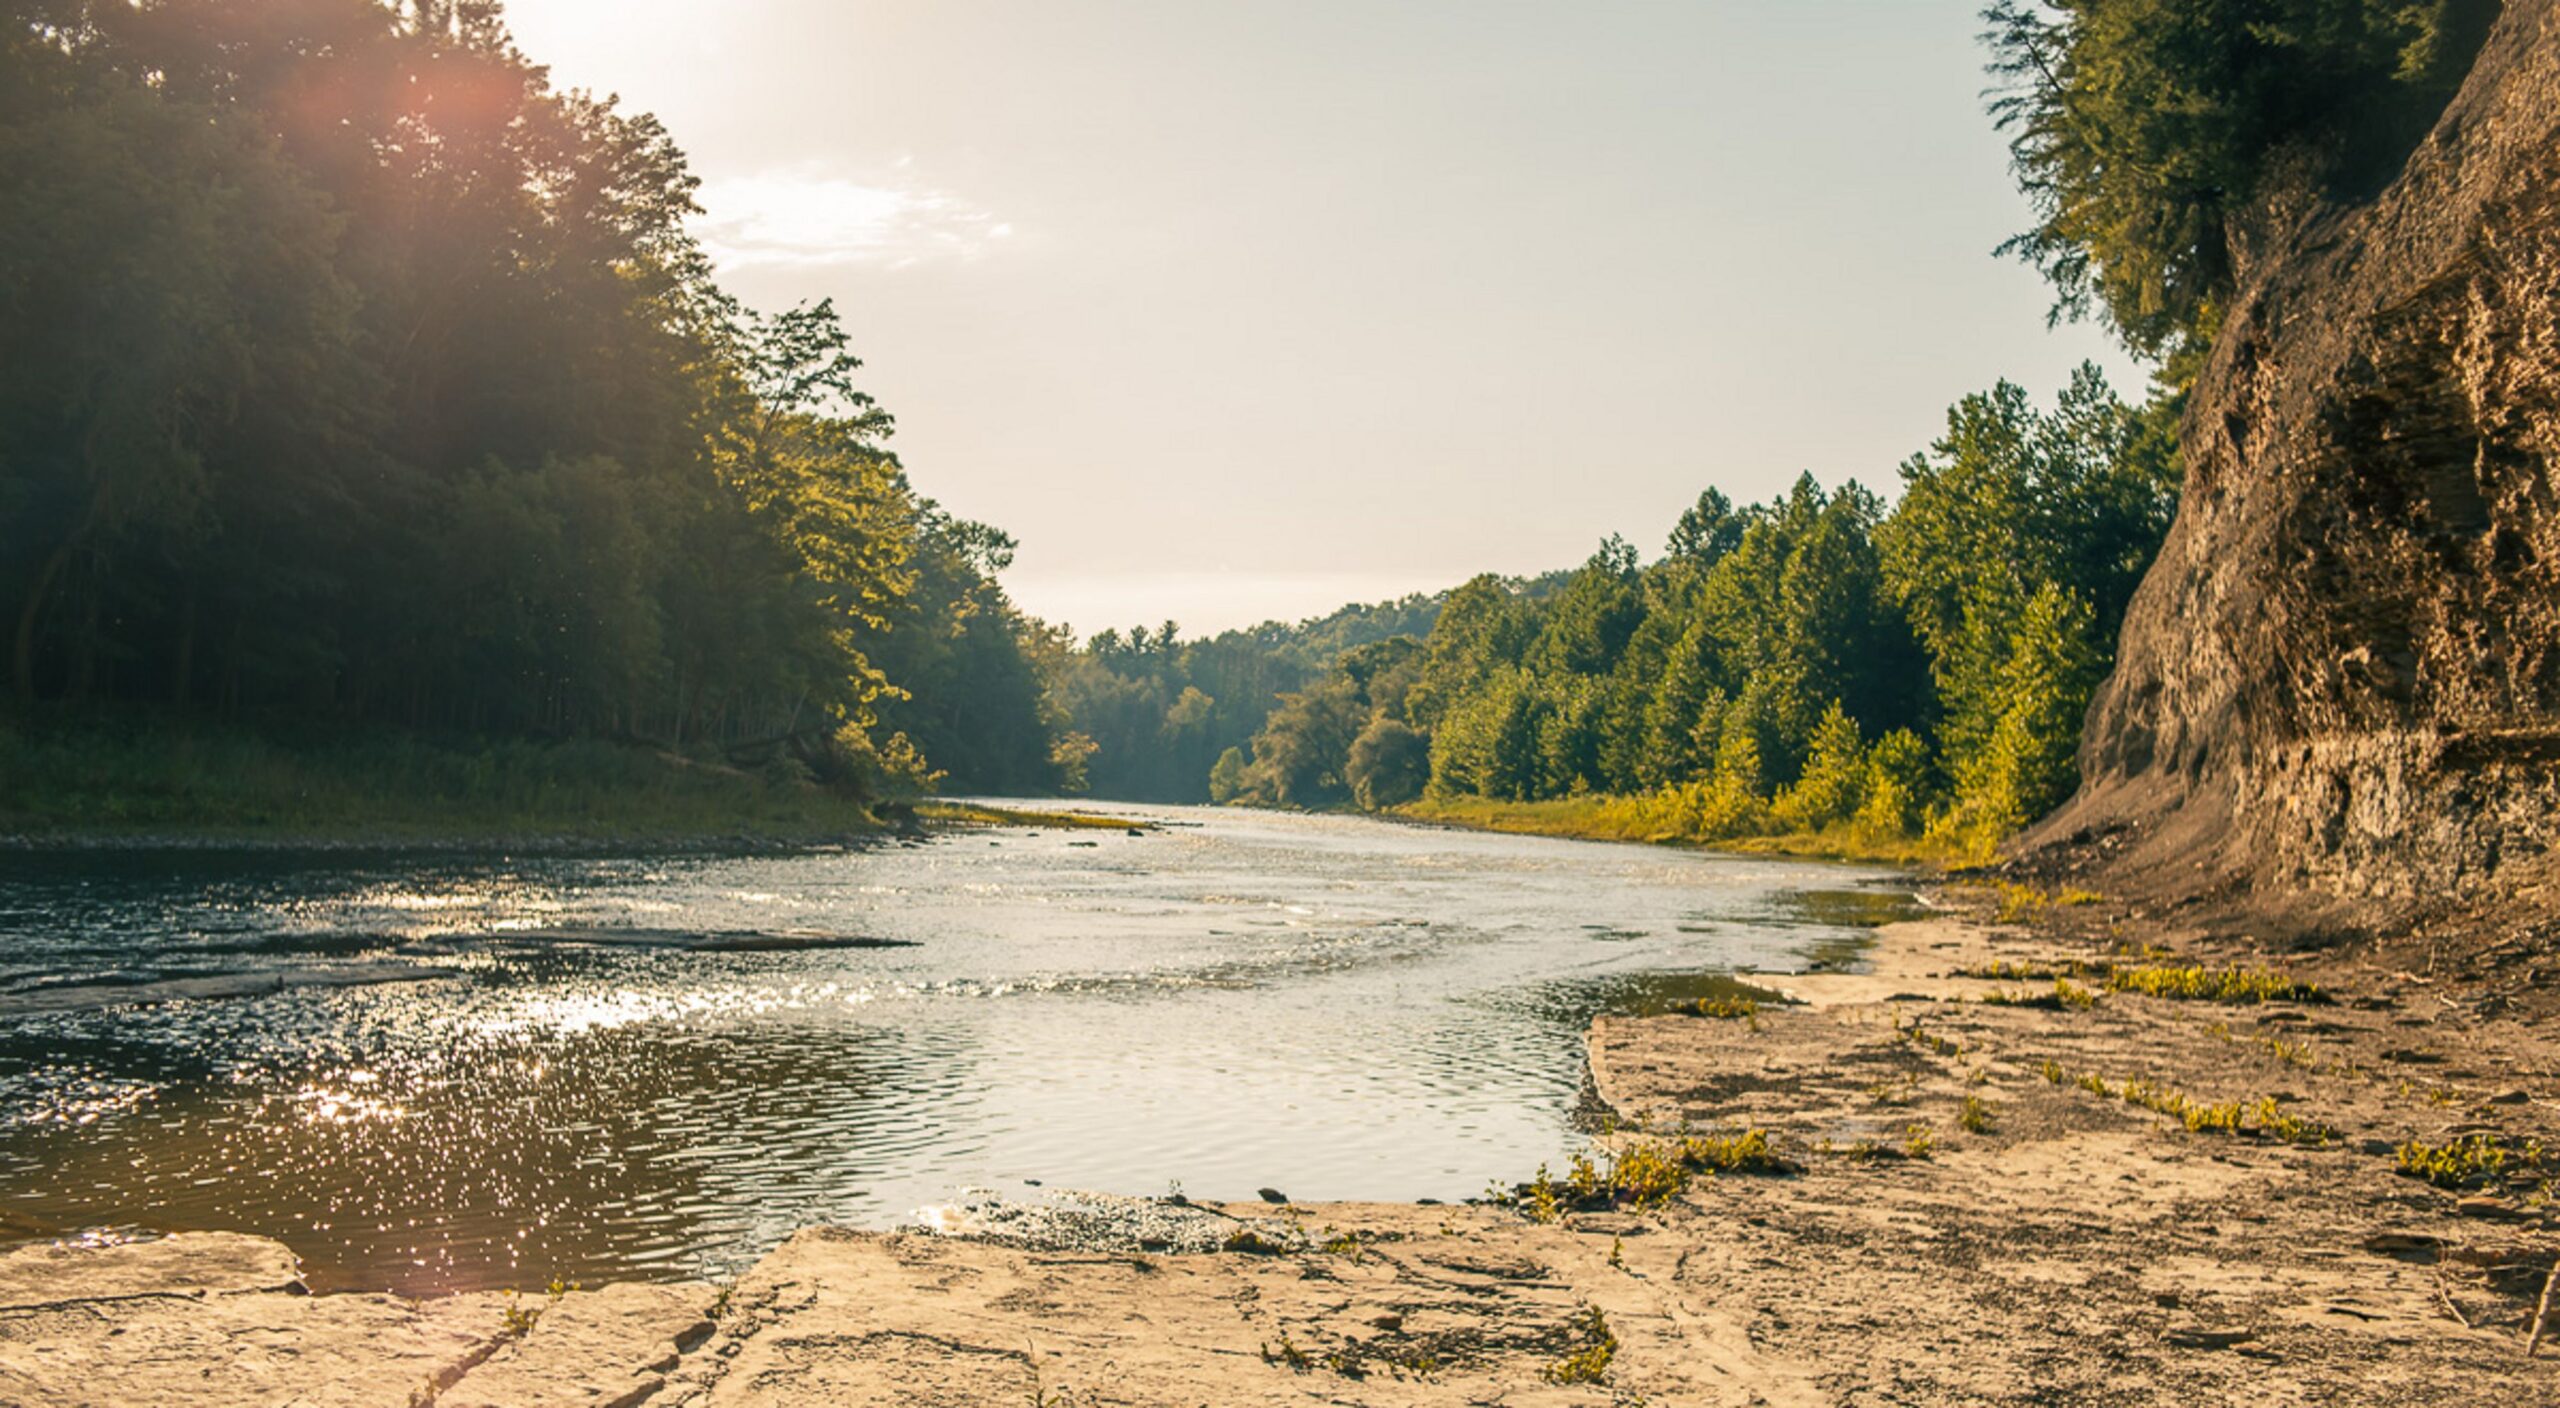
1818 672
147 775
358 381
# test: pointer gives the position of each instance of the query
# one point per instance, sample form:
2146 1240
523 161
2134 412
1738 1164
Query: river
1335 1007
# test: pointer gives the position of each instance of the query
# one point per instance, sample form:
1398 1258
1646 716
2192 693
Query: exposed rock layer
2338 691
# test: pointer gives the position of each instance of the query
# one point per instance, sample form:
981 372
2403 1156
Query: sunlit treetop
2156 138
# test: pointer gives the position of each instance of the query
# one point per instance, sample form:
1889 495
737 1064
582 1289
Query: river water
1335 1007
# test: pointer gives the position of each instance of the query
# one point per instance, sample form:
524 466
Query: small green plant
2213 1119
1646 1176
1918 1141
2051 1071
1746 1152
2019 901
1590 1363
1544 1201
2201 984
1976 1115
1345 1244
1729 1009
1251 1242
2065 997
2292 1053
1417 1363
2276 1124
1286 1352
2478 1158
1617 1253
2096 1084
520 1318
2005 971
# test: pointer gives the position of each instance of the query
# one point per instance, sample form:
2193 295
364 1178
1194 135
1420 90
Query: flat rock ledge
1974 1209
217 1319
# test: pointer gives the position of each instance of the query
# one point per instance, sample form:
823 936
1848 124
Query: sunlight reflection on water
1335 1007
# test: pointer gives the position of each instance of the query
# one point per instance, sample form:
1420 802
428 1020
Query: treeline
1811 663
351 373
1148 712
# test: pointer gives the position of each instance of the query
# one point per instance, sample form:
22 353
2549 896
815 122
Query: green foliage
2465 1162
1835 782
2156 138
1390 764
1301 756
1163 711
2200 984
1588 1364
1728 689
150 772
353 374
1227 777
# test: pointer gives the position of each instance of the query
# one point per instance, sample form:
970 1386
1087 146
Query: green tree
1227 777
2154 137
2024 764
1390 764
1834 784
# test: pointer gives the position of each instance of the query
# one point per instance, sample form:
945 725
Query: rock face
2337 697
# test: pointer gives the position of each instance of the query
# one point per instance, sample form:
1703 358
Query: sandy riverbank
2071 1247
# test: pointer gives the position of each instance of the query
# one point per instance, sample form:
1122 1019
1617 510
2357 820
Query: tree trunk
30 619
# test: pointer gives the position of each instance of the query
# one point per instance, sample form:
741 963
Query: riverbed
475 1071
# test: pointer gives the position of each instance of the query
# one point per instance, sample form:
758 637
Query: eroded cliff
2338 692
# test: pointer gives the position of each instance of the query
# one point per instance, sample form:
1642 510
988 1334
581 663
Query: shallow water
1336 1007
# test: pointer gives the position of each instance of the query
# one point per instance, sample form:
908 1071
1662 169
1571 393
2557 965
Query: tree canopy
1812 662
2154 138
352 372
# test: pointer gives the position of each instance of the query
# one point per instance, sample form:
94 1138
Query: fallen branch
2445 1294
2542 1311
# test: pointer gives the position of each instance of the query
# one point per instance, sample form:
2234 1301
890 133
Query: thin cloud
807 219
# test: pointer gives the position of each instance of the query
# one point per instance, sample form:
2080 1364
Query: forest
1816 663
356 379
358 384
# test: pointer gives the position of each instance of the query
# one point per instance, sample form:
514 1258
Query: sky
1239 311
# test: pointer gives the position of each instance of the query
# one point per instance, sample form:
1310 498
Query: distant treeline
1149 712
351 374
1812 663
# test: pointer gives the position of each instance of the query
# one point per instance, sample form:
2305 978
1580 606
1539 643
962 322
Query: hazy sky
1233 311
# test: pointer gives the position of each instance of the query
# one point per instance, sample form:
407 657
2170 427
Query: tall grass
1604 818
